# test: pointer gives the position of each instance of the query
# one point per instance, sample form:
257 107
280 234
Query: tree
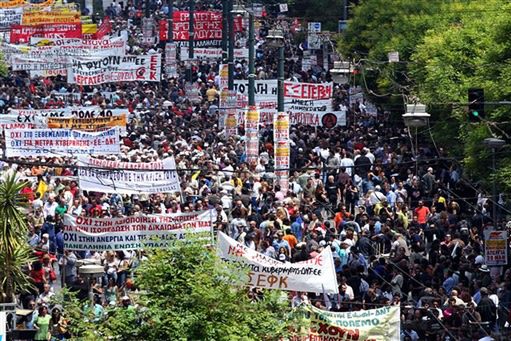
188 292
15 253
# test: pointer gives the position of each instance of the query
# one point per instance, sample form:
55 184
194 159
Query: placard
128 177
495 248
41 16
60 142
84 71
133 232
9 17
314 275
212 53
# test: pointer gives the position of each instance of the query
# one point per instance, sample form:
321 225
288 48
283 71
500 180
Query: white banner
39 117
315 275
495 248
13 121
114 68
308 102
380 324
87 49
128 177
212 53
10 16
133 232
60 142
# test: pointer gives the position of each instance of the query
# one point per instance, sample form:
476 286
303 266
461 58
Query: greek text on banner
60 142
132 233
380 324
314 275
128 177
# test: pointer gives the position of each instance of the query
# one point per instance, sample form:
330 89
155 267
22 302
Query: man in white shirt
50 206
347 163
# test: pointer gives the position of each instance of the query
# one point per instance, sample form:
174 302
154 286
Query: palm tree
15 253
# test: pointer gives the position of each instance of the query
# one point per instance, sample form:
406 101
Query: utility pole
191 33
230 56
170 21
251 60
280 98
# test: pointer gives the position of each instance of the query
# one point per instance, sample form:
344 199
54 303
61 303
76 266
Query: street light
275 39
240 10
494 144
416 117
341 72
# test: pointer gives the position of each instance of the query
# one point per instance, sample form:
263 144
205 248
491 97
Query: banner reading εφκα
314 275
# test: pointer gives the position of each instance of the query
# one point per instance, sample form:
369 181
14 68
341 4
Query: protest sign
21 34
104 29
314 275
12 3
212 53
128 177
252 135
86 71
9 17
228 113
40 41
380 324
200 43
31 115
38 67
282 151
89 124
312 91
495 248
41 16
207 26
60 142
170 60
14 121
132 233
86 50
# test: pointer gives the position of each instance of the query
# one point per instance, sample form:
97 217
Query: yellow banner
23 3
89 28
43 17
87 124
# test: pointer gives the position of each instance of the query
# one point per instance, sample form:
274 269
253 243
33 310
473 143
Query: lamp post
241 11
170 21
230 55
191 34
416 117
225 29
494 144
275 38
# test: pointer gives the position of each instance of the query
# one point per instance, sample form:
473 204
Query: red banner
104 29
20 34
207 26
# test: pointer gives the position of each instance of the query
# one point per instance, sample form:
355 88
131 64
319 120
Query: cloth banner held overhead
107 176
84 71
314 275
132 233
60 142
41 16
89 124
21 34
380 324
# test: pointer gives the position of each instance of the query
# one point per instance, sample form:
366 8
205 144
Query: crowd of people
398 233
